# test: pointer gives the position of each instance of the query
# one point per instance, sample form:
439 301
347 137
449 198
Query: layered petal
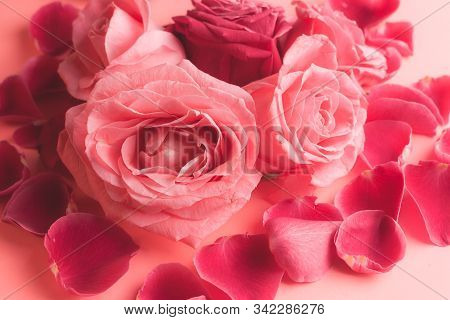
429 185
437 89
38 203
386 140
442 147
13 172
171 281
381 188
88 252
370 242
242 266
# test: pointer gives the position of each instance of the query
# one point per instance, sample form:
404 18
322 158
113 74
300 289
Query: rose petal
381 188
370 242
38 202
27 136
12 171
241 266
171 281
366 12
429 185
89 252
386 140
51 26
437 89
442 147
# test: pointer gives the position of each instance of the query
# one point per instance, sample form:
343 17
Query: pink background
424 270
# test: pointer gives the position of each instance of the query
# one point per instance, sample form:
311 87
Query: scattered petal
429 185
437 89
172 281
90 253
381 188
51 26
366 12
442 147
241 266
386 140
12 170
38 202
370 242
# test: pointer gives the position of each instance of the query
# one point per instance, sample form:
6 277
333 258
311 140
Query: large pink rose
310 116
170 148
115 35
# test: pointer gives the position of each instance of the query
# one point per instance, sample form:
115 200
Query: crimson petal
12 170
51 26
370 242
241 266
429 185
27 136
386 140
381 188
437 89
90 253
442 147
171 281
38 202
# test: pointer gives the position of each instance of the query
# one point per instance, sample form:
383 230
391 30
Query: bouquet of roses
171 128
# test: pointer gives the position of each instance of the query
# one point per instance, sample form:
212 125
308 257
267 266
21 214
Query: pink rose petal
437 89
38 202
429 185
51 26
241 266
366 12
90 253
386 140
381 188
442 147
370 242
171 281
12 170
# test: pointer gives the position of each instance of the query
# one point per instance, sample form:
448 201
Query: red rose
233 40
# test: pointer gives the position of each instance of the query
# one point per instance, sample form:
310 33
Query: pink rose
310 115
115 35
169 148
354 56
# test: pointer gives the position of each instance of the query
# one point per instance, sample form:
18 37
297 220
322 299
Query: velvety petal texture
381 188
89 253
442 147
437 89
366 12
242 266
370 242
386 140
301 237
429 185
38 202
51 26
171 281
13 171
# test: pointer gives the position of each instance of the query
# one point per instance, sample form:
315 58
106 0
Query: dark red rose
232 40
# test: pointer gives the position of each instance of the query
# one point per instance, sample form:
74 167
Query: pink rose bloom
354 57
311 115
115 35
170 148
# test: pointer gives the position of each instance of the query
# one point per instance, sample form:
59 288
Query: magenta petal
442 147
90 253
386 140
27 136
12 170
51 26
370 242
429 185
381 188
242 266
38 202
437 89
171 281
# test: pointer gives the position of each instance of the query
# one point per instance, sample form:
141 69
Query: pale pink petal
429 185
89 252
442 147
171 281
381 188
370 242
12 170
242 266
386 140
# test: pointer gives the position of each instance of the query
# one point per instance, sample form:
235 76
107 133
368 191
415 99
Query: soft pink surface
419 275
